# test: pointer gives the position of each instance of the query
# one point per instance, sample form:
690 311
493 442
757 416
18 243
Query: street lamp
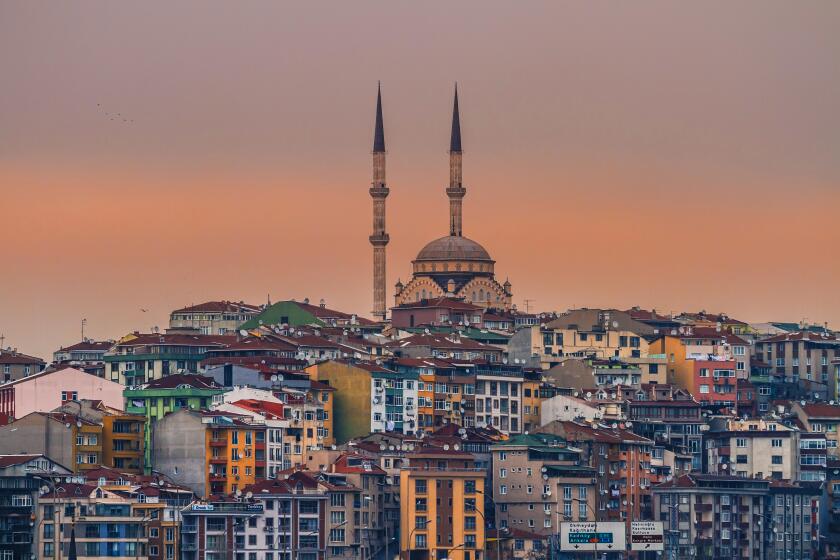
421 525
498 529
310 533
48 478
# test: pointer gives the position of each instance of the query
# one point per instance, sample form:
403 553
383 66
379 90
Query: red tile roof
801 335
271 410
11 460
12 357
176 339
97 345
821 410
220 307
441 302
355 463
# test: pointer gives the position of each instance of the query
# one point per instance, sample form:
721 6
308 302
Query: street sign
605 536
647 535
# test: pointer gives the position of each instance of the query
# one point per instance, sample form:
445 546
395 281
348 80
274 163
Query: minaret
456 190
379 192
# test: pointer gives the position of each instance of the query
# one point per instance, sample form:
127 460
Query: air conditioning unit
546 495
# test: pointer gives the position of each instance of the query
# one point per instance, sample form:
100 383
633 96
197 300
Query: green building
158 398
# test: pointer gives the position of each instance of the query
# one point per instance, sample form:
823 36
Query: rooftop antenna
528 303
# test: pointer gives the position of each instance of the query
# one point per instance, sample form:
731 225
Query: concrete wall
178 449
565 408
36 434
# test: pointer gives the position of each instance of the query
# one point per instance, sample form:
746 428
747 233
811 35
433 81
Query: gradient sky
669 155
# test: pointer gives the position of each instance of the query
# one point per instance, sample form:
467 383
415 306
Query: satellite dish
79 422
67 425
456 447
243 332
274 378
802 402
589 394
382 446
629 424
446 447
576 393
615 324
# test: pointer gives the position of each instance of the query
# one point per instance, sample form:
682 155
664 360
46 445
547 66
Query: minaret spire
456 190
379 192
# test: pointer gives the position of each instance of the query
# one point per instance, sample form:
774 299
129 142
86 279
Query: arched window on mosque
417 296
473 296
481 295
424 294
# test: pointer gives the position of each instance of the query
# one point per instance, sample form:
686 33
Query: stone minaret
379 192
456 190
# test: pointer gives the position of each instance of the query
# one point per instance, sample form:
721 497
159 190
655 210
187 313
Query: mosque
451 266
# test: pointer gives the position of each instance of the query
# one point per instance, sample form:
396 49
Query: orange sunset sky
669 155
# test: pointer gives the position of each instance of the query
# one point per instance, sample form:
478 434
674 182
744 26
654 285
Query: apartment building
138 358
581 333
540 481
16 365
823 418
51 388
213 317
755 448
713 517
442 506
159 397
369 397
498 397
96 522
622 460
672 419
802 357
20 484
212 452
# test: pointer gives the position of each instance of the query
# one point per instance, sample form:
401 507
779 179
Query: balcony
703 507
218 442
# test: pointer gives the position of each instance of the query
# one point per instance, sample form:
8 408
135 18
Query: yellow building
582 333
531 404
442 506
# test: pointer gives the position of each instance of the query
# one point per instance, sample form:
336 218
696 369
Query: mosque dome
453 248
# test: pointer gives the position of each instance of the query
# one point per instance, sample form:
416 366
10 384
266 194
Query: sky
677 156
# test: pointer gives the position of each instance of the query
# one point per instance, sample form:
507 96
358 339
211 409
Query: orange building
442 506
231 443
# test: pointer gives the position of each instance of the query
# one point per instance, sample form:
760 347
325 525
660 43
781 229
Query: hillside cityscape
444 423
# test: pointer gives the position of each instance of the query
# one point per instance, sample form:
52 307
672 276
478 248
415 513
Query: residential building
821 418
101 523
159 397
714 517
452 346
581 333
16 365
50 389
803 357
216 530
139 358
87 355
622 460
792 520
368 397
213 317
564 407
440 311
20 484
752 447
540 481
672 419
498 397
442 506
82 435
210 452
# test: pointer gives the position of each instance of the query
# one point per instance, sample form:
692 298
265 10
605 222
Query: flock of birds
119 117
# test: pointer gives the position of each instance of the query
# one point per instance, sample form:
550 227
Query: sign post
647 535
604 536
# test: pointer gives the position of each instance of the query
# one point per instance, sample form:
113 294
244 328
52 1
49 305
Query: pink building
48 390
